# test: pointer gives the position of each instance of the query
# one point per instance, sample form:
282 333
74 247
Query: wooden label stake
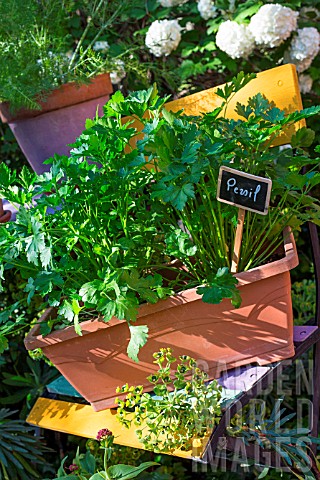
237 241
246 191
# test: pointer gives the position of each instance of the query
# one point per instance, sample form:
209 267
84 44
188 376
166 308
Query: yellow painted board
83 421
279 85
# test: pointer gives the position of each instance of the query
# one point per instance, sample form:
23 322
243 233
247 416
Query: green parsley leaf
139 336
222 285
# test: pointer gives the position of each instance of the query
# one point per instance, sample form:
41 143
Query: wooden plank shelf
239 386
81 420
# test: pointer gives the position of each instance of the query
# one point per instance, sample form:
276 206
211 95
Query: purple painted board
242 378
301 333
42 136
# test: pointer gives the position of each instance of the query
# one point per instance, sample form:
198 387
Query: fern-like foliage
30 37
45 44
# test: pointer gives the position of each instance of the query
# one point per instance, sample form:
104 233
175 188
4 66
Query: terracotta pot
41 133
219 336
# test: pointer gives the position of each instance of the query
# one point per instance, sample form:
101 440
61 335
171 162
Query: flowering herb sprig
183 407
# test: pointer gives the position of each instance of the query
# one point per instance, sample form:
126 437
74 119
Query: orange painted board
83 421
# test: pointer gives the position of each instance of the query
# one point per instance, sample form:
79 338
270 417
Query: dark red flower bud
103 434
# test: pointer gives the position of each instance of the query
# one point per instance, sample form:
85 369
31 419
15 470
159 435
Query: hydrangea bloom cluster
304 47
101 45
268 28
163 37
234 39
189 26
273 24
171 3
207 9
119 73
305 83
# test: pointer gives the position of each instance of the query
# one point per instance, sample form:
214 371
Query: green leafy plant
47 44
86 466
15 312
10 152
304 300
183 408
21 453
26 386
292 444
133 220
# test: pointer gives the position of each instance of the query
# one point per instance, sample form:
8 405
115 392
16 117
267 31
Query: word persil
232 185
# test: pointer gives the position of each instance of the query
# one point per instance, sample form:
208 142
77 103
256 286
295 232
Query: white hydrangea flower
304 48
171 3
207 9
305 83
234 39
101 45
163 37
273 24
119 73
189 26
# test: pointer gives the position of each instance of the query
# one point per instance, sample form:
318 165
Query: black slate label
244 190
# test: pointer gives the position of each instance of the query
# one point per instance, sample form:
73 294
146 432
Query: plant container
218 336
61 119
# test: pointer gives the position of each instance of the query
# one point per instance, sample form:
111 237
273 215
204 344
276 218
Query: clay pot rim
35 340
66 95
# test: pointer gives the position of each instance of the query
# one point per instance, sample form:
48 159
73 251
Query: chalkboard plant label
244 190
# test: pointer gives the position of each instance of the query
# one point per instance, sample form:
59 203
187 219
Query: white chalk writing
243 192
